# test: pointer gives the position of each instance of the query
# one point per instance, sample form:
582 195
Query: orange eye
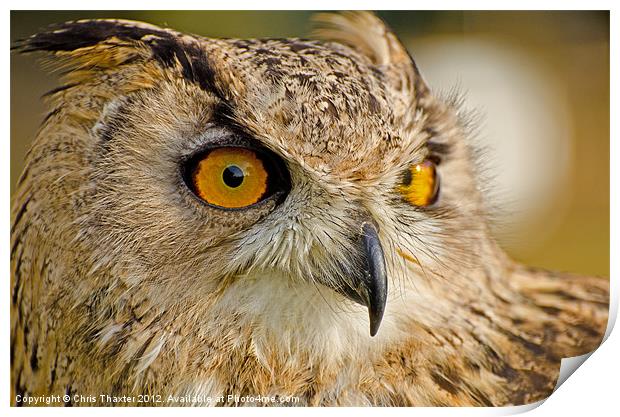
421 185
231 177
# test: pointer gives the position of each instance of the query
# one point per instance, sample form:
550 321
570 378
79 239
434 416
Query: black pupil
233 176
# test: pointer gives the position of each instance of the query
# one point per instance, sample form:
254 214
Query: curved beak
368 285
374 277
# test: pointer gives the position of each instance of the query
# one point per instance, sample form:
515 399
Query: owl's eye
233 177
421 184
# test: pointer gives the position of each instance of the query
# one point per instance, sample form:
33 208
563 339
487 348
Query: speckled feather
123 284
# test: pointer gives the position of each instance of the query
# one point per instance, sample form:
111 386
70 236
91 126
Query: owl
269 222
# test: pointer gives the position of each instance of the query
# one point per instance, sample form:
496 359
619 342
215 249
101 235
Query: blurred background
538 82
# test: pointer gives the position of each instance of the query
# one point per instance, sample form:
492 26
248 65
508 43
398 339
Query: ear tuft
366 33
106 44
100 43
70 36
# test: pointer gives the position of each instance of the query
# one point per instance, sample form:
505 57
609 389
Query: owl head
264 180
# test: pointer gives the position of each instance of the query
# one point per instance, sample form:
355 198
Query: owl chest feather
269 335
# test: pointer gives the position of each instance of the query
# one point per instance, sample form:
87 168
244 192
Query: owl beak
364 278
374 286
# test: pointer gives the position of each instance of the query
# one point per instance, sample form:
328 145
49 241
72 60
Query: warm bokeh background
538 80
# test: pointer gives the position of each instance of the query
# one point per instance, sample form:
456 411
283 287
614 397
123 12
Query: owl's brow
438 148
